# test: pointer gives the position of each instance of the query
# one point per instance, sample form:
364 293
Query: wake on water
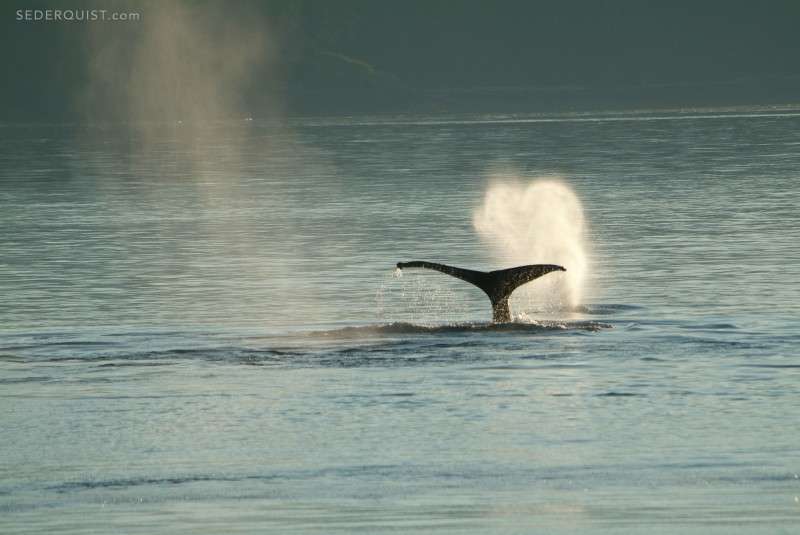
519 326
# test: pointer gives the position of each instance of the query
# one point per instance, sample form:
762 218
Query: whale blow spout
497 285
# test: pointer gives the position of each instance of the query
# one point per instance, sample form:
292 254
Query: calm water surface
200 331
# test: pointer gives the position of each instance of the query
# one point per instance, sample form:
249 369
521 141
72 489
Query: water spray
537 222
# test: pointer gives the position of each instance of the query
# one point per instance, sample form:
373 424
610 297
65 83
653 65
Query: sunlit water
205 334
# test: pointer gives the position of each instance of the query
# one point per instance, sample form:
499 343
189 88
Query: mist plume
537 222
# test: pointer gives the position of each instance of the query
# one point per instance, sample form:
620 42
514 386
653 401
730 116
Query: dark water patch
136 482
775 366
452 344
710 327
18 380
543 366
441 349
417 351
568 473
39 335
389 353
701 464
400 328
250 357
500 395
367 360
606 308
504 367
712 343
614 394
83 380
381 348
147 334
680 393
133 363
215 395
167 357
90 344
353 471
394 343
542 357
746 479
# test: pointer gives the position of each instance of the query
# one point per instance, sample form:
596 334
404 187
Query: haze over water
206 336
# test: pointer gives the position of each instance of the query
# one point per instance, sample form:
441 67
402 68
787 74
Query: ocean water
200 330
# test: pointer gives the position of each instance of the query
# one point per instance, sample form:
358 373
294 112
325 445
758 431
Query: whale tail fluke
497 285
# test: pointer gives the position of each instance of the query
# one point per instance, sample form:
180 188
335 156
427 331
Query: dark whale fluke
498 284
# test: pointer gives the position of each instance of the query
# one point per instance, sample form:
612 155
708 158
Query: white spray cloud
190 97
537 222
184 61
